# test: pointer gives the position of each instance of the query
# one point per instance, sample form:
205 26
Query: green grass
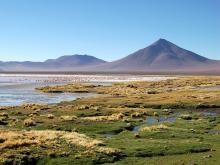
184 141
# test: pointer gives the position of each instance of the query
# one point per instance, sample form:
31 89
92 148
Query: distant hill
74 61
161 56
63 63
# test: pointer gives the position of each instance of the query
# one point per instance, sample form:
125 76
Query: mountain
63 63
161 56
74 60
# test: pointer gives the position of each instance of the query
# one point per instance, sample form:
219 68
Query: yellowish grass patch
154 127
14 139
112 117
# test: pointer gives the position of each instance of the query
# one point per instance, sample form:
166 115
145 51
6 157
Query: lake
17 89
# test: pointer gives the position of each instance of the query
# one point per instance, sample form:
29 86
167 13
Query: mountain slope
63 63
160 56
74 60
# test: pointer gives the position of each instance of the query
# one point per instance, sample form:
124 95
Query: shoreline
150 73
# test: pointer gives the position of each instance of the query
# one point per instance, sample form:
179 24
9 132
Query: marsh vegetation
174 121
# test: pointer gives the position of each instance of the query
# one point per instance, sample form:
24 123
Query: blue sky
109 29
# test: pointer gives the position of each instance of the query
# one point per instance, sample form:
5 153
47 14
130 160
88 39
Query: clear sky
109 29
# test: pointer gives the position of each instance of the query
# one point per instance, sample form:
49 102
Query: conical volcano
162 55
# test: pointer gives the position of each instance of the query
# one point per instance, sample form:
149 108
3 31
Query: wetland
164 121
